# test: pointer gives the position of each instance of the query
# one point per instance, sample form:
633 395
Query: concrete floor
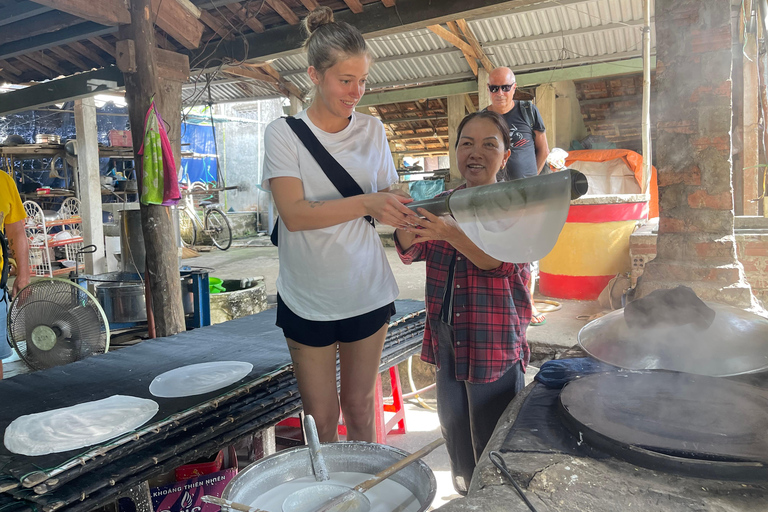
257 257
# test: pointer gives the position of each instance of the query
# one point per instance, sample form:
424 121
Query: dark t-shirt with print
522 161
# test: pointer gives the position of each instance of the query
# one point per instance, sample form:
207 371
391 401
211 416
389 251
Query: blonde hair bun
323 15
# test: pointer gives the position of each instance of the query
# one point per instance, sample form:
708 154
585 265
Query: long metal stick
646 122
346 497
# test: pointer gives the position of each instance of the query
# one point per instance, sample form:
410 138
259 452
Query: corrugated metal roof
224 90
537 37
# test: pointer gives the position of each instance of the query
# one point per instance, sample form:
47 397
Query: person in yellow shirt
12 216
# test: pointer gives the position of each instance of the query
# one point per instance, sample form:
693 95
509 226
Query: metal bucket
287 465
126 303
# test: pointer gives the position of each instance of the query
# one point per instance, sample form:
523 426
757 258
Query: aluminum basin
353 456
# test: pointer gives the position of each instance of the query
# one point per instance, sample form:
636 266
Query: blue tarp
200 140
426 189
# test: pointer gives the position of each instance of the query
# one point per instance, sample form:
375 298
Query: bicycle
215 222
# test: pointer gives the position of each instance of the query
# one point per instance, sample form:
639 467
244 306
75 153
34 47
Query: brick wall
751 248
612 108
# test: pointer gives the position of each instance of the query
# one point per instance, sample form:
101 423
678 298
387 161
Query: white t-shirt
340 271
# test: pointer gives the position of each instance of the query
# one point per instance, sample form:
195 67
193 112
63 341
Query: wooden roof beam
451 38
37 67
284 11
216 25
411 119
88 53
105 12
14 13
469 104
246 17
69 56
10 68
46 24
455 39
103 45
178 22
8 76
379 21
354 5
470 57
254 74
162 40
419 136
289 87
48 62
475 44
311 5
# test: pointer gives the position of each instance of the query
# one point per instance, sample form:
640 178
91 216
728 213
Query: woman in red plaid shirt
478 308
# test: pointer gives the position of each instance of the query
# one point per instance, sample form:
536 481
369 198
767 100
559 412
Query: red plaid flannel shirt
491 311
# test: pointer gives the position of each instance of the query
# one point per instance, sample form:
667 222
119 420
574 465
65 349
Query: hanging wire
498 461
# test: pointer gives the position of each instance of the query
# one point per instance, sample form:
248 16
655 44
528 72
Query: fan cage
53 321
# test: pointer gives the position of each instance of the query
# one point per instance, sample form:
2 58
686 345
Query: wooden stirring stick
346 499
232 505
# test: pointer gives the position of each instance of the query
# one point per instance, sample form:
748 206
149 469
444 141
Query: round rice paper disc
78 426
198 379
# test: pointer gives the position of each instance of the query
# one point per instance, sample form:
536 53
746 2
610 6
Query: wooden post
546 103
483 94
168 102
90 187
296 105
455 115
156 221
750 146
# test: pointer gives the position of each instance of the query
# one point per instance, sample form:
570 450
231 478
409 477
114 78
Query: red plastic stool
395 424
384 427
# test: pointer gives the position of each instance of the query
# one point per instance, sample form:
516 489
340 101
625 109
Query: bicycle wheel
187 228
218 228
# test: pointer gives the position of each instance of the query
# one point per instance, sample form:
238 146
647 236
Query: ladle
338 498
319 469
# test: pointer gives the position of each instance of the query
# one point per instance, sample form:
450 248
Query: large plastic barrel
593 246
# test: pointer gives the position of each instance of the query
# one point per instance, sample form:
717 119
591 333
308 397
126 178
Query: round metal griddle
736 343
690 424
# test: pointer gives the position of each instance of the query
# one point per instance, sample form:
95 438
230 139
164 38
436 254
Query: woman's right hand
389 209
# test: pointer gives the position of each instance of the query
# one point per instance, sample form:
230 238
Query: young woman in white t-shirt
335 288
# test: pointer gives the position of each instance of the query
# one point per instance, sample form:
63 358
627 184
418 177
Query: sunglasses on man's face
505 88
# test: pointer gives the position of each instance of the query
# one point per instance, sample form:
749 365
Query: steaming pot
736 343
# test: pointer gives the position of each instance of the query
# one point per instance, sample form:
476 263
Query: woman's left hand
432 227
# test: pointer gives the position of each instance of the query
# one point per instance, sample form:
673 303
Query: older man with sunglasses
528 144
526 128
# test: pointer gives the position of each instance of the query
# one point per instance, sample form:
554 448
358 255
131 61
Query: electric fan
54 321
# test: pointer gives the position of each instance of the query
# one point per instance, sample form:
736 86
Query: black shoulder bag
6 265
339 176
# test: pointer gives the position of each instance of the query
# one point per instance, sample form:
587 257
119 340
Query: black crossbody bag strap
6 265
344 183
341 179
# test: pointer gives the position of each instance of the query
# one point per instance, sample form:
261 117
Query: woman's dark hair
497 119
330 41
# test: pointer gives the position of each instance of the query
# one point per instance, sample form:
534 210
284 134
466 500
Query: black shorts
315 333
